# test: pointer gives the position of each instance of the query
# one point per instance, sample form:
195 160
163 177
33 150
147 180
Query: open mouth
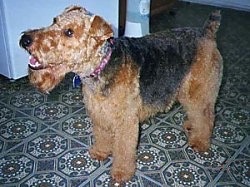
34 63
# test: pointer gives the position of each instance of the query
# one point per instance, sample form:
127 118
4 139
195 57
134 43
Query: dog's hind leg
199 125
198 95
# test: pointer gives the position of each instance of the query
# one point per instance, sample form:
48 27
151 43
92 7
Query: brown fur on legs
198 98
123 140
126 80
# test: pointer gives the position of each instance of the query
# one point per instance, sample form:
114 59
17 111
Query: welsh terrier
127 80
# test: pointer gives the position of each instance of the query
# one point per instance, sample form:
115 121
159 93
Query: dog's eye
69 32
54 20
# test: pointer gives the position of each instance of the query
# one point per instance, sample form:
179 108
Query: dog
127 80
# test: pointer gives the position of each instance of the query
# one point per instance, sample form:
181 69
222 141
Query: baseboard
233 4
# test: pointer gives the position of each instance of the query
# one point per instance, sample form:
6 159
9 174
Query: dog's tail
212 24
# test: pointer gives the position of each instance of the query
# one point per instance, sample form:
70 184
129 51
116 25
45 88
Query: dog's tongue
34 63
32 60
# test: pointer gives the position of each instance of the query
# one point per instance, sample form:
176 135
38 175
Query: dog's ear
100 28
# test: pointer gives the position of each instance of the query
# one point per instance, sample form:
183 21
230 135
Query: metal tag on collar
76 81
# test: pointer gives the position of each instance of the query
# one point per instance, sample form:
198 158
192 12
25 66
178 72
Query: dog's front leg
124 148
103 143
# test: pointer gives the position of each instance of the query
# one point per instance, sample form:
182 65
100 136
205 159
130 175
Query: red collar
108 48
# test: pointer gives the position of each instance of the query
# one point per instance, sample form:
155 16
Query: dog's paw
199 144
98 154
122 176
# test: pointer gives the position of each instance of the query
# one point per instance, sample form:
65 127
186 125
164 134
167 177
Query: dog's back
163 58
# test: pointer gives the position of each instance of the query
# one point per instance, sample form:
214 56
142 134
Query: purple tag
76 81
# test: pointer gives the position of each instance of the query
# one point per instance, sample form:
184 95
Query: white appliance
137 18
17 16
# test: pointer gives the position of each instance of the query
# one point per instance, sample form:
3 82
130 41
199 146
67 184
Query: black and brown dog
126 80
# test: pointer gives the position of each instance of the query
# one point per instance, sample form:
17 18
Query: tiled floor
44 138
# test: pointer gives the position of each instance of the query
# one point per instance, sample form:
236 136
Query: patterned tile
26 99
240 169
18 128
105 180
168 137
77 163
44 139
72 98
229 134
236 115
5 114
14 168
15 127
150 158
76 126
214 158
45 179
51 111
185 174
47 146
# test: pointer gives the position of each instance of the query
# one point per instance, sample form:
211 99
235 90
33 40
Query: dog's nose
26 41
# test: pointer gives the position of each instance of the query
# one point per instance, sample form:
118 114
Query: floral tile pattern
44 139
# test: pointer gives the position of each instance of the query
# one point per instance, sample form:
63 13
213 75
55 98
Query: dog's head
72 43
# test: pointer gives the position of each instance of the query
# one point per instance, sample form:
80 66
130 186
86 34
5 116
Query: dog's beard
45 79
